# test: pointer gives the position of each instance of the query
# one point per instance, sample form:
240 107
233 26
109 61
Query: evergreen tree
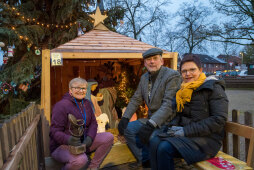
31 24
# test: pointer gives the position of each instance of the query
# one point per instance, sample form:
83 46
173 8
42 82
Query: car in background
218 73
243 73
230 73
233 73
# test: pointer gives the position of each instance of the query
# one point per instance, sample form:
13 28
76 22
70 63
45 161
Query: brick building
231 61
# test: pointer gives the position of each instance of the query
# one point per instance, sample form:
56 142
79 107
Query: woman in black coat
196 133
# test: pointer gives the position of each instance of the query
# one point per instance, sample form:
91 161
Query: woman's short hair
190 58
79 80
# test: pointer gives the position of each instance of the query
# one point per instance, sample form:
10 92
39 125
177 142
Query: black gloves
145 132
88 141
74 141
122 125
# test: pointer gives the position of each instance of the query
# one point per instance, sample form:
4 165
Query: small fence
21 140
239 82
232 144
24 139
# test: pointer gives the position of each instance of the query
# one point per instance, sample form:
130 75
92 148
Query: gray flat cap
152 52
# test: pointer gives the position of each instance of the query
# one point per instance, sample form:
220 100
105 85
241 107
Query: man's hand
123 125
145 132
74 141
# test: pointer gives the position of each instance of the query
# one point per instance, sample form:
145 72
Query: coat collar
209 84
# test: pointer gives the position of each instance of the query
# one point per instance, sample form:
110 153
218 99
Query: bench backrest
246 132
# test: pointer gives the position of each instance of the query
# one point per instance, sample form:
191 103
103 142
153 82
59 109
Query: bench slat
238 129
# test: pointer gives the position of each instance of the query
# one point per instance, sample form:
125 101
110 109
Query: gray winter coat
163 92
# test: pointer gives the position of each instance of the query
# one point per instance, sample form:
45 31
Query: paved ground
242 100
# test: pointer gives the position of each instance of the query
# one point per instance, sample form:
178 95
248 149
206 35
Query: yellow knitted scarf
184 94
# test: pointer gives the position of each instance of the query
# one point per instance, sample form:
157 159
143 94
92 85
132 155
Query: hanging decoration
28 47
5 59
37 52
35 21
10 51
6 88
2 44
13 84
24 87
24 38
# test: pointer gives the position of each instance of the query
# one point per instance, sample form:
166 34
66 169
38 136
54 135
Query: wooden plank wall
19 140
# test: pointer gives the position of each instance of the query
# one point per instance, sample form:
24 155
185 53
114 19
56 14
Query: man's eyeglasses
79 88
192 70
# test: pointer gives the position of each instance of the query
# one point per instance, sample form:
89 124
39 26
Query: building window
204 65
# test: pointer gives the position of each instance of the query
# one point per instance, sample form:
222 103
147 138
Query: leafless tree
139 15
192 26
241 26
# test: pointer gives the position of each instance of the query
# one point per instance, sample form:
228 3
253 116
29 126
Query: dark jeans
139 150
162 154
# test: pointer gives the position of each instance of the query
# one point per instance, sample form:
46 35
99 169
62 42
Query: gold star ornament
98 18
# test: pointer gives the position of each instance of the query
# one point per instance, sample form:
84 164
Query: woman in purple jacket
61 138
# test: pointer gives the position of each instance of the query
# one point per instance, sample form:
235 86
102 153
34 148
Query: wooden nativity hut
86 55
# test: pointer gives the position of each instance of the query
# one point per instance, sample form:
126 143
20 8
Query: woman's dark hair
190 58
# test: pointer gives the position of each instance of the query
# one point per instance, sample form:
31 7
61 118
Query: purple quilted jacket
59 129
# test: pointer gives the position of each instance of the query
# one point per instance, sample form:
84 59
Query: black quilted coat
203 121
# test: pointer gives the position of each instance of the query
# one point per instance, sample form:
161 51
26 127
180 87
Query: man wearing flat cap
157 88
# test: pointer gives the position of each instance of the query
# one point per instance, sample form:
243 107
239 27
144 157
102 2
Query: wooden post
236 140
174 66
1 157
19 126
4 141
40 149
10 133
35 157
25 158
45 132
29 153
23 124
247 121
15 128
25 114
225 143
45 83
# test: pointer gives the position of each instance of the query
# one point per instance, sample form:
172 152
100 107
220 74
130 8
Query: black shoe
135 165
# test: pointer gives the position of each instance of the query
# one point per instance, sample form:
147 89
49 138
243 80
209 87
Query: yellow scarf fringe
184 94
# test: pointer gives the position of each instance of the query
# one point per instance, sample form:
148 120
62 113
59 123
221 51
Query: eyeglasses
192 70
79 88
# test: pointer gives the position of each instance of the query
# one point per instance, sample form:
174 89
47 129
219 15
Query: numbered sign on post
56 59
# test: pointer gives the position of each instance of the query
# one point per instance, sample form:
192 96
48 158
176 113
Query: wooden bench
239 130
121 154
